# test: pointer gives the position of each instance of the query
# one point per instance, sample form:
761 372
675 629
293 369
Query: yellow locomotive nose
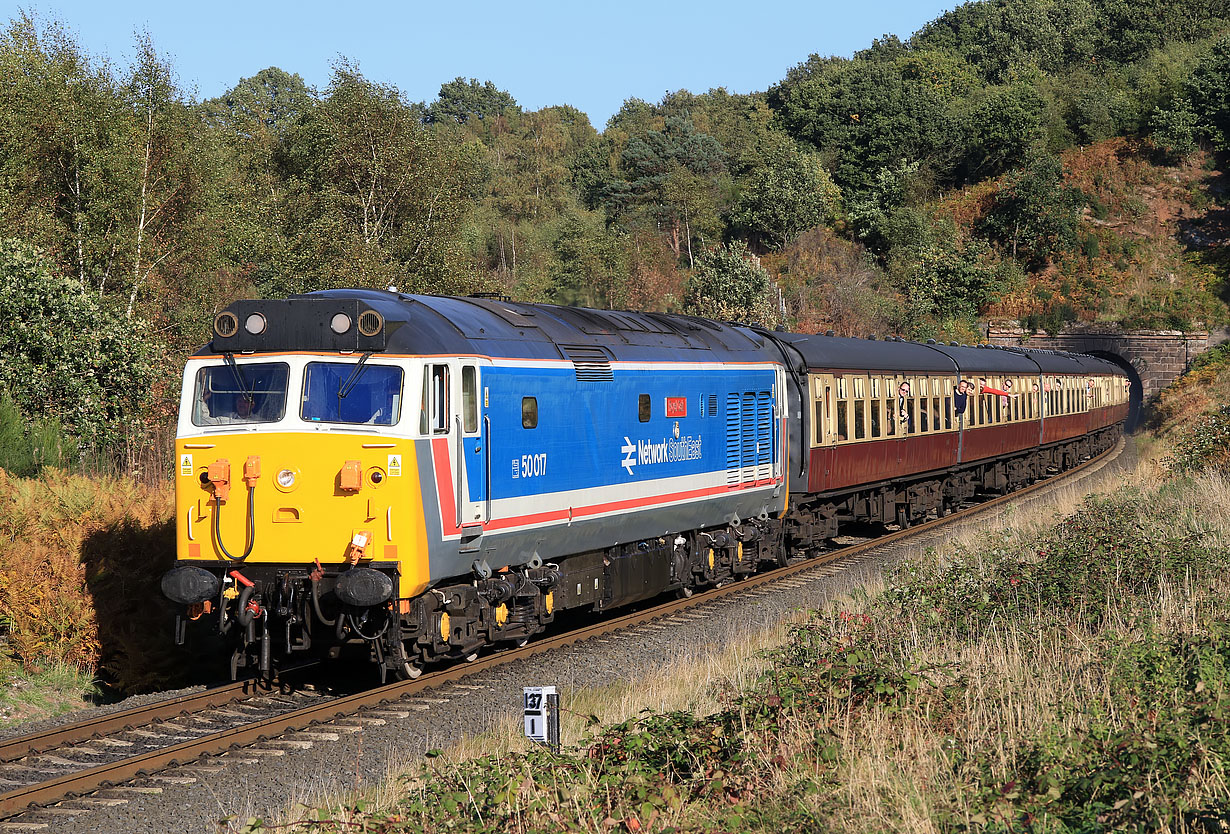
341 505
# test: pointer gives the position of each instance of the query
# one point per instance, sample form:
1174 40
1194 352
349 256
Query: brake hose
251 527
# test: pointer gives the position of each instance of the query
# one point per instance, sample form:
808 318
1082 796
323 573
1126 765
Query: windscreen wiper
229 358
353 379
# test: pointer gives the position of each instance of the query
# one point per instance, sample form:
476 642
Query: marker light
286 478
340 323
254 324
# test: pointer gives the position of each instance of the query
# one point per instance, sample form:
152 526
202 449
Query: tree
270 101
1035 215
168 172
729 284
867 114
1208 92
460 101
63 151
373 194
787 194
943 274
672 173
1002 124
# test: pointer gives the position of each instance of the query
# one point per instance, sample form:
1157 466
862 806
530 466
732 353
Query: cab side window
433 414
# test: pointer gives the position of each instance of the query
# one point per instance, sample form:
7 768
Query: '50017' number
533 466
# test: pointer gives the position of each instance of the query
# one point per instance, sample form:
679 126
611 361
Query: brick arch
1152 358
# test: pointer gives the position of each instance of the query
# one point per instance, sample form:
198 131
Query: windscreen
234 394
347 392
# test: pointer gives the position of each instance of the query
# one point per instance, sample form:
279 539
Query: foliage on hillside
979 167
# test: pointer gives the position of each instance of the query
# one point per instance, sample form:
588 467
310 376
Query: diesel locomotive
428 476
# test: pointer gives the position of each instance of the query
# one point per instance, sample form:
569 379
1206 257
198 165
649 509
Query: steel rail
105 775
17 747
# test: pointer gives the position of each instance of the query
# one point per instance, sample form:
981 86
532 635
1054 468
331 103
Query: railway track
49 766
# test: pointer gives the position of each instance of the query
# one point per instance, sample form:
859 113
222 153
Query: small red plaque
676 406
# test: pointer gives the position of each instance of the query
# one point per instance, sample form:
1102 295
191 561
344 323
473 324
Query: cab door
473 458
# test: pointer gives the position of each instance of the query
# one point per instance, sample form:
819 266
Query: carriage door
823 430
472 456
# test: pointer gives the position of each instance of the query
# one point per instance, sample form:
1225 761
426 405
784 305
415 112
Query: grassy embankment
1040 675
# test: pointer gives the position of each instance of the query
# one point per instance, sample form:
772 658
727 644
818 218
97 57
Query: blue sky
590 55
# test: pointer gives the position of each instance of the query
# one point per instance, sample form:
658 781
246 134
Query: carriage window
860 408
876 405
529 412
843 432
643 408
433 413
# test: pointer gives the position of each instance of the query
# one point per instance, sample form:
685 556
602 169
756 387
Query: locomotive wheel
684 592
409 671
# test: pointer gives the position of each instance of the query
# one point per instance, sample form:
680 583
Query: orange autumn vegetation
80 561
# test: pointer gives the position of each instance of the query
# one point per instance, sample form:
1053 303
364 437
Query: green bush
68 354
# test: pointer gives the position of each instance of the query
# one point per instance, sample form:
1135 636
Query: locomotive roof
492 326
434 325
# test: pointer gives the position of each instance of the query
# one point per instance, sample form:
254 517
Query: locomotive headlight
286 479
340 323
255 324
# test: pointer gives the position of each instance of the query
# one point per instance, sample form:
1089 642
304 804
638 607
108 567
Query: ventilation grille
590 363
749 437
732 439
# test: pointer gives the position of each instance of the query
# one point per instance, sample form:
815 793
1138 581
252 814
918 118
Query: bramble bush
1205 446
1107 553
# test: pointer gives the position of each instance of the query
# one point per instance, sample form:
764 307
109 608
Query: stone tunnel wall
1158 356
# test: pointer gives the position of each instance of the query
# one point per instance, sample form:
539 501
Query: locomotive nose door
472 449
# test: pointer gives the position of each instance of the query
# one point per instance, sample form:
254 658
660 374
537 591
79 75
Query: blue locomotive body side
561 465
642 425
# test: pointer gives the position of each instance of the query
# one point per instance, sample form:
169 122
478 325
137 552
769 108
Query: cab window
347 392
237 394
